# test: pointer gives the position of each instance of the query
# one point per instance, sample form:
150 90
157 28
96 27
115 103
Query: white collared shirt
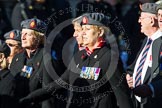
148 61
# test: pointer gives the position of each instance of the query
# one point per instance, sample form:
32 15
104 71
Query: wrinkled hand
129 81
142 91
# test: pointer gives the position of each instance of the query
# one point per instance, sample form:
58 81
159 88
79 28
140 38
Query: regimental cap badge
85 20
32 24
12 34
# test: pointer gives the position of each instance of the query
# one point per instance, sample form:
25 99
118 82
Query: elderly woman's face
78 33
28 39
90 35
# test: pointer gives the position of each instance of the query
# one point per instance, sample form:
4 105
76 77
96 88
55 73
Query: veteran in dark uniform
91 79
13 40
144 74
27 67
94 65
7 85
74 44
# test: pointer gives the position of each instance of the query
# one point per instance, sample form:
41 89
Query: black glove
142 91
25 101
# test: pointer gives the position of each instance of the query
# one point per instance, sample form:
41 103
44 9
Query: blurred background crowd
124 17
124 12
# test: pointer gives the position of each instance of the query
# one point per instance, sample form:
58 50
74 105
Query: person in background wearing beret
76 43
144 76
7 85
13 40
87 68
27 66
78 32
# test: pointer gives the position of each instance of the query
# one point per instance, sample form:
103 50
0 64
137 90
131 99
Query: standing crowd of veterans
94 75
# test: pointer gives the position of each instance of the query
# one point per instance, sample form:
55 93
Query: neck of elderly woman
29 51
91 47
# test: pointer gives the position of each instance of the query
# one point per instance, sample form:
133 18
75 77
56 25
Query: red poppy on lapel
83 56
150 57
161 54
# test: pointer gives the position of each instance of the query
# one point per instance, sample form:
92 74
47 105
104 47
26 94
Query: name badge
90 73
27 71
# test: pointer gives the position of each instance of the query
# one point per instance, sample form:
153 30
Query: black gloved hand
142 91
25 101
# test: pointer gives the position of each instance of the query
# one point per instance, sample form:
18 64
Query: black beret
95 19
4 48
149 8
14 35
79 19
34 24
159 6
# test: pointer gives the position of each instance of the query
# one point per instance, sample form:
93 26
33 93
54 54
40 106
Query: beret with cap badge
95 19
13 34
149 8
79 18
34 24
4 48
159 7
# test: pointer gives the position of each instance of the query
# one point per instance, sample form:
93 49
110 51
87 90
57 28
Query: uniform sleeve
130 69
121 91
50 85
157 85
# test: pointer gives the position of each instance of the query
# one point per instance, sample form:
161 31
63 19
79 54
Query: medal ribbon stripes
26 71
90 73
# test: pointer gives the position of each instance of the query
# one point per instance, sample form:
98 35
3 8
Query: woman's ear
101 32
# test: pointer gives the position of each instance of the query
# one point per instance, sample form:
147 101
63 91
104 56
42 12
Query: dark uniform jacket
89 93
153 75
7 86
24 83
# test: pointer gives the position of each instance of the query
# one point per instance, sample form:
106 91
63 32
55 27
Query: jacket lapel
37 61
18 63
143 45
155 57
131 67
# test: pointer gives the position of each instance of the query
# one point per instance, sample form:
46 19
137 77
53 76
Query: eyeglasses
142 18
12 45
